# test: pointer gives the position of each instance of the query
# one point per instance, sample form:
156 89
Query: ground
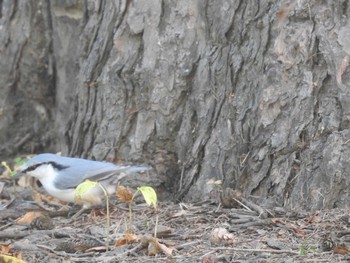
201 232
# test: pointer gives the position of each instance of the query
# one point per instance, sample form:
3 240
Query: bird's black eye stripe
54 165
31 168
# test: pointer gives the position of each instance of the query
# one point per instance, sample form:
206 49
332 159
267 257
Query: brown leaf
28 217
145 239
124 194
342 250
298 232
210 259
128 238
154 248
312 218
5 248
281 232
98 249
120 242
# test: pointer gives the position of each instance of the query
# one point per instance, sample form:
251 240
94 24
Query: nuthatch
60 177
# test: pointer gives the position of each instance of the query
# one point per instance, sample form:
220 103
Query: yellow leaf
83 188
149 195
5 258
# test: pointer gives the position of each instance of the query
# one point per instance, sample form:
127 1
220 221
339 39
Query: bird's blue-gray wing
97 172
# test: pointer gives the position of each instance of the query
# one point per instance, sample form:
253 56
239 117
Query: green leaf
149 195
19 161
83 187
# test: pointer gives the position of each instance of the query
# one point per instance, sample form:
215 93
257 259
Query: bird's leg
77 210
82 210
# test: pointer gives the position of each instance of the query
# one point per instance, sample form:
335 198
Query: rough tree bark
253 93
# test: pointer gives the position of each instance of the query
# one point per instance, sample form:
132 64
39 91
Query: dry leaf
128 238
298 232
166 250
342 250
312 218
281 232
28 217
120 242
39 198
145 239
124 194
5 248
210 259
154 248
219 235
97 249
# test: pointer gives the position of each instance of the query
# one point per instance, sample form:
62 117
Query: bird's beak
17 175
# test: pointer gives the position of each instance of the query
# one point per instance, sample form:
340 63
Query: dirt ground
202 232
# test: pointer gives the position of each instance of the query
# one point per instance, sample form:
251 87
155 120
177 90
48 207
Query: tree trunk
253 93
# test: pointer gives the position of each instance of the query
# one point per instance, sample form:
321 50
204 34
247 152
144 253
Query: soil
201 232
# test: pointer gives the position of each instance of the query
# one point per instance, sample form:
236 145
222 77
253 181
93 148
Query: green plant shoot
8 168
83 188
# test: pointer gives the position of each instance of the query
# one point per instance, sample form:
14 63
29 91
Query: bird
60 176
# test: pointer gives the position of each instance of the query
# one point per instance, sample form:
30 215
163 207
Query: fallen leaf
145 240
281 232
97 249
220 234
124 194
154 248
28 217
128 238
298 232
5 248
312 218
342 250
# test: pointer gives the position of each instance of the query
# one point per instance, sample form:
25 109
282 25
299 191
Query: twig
246 207
188 244
276 251
129 251
10 234
6 226
64 254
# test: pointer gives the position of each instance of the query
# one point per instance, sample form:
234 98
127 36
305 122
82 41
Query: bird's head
40 166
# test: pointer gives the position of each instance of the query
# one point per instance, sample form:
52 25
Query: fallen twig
276 251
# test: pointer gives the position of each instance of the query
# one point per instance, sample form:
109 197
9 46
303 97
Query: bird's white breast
47 175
